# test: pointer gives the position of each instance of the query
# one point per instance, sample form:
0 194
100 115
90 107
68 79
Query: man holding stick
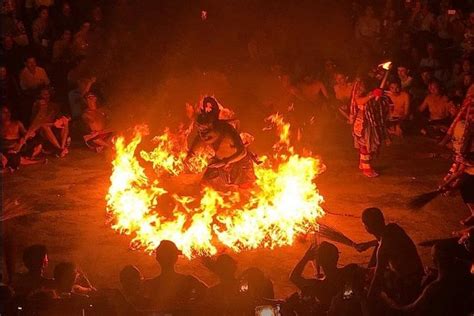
369 113
396 258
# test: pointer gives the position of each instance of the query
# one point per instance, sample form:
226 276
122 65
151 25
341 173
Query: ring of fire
283 204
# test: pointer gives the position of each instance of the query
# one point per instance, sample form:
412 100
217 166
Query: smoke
158 55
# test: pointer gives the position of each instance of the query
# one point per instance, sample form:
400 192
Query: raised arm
296 275
382 262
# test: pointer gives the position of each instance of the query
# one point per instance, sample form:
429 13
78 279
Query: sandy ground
69 195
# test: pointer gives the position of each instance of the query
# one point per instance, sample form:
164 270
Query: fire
283 204
386 65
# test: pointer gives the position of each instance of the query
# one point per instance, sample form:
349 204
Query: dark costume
225 168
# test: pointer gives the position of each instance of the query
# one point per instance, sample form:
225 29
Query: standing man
369 112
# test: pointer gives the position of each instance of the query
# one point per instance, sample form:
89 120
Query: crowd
45 93
395 280
49 97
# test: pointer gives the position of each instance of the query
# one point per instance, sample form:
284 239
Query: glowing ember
284 203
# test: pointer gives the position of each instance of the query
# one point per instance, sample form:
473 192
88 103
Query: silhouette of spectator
172 290
223 296
449 294
35 259
395 253
131 281
327 256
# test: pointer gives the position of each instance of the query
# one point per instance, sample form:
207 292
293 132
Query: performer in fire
461 173
232 165
369 113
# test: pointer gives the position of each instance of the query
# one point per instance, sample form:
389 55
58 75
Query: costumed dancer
461 173
231 166
369 113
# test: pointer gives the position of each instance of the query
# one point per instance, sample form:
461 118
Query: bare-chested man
46 119
343 91
396 253
14 146
440 108
400 110
95 118
231 165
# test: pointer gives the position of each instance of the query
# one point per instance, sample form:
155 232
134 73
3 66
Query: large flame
283 204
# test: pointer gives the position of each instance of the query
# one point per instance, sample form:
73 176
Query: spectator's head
45 94
3 72
434 87
66 9
35 259
225 267
340 78
329 66
426 75
361 88
327 256
430 49
466 65
67 35
369 11
130 279
467 80
471 18
91 100
43 13
167 255
254 282
394 87
65 275
85 27
30 63
6 114
96 14
8 42
402 71
374 221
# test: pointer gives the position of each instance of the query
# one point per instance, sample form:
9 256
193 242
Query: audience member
396 258
172 290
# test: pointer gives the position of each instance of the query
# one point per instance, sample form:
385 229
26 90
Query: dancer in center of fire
232 165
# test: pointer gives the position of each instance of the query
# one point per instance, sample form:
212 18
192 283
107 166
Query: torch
386 66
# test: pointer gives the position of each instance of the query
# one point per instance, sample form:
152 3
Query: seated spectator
400 110
440 109
224 296
449 294
81 41
255 286
48 121
65 20
33 77
431 60
396 258
172 290
42 31
12 55
405 79
96 120
8 91
68 281
327 256
16 145
35 259
77 97
62 49
131 281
